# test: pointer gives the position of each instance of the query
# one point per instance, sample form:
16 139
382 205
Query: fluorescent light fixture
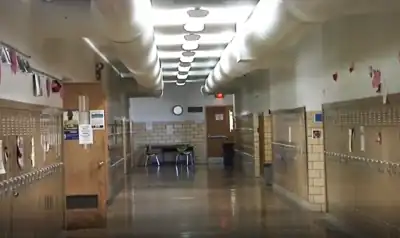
182 76
190 73
205 39
180 83
187 81
184 59
217 15
207 64
101 55
194 25
183 69
199 54
190 45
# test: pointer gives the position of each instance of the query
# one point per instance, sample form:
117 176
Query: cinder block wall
268 139
316 163
183 132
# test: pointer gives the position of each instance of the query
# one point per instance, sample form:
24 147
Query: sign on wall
71 124
85 134
97 119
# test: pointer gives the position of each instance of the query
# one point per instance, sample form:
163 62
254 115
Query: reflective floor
205 202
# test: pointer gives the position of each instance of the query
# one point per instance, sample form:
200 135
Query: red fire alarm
219 95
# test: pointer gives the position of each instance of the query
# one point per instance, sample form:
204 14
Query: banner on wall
71 125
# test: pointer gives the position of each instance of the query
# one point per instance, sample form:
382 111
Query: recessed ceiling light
198 12
184 64
194 25
180 83
188 53
183 69
182 76
186 59
192 37
190 45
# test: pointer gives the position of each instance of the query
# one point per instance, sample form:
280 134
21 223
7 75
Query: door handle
101 163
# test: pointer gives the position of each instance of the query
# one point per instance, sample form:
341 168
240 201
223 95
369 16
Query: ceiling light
207 64
217 15
199 54
184 64
190 73
188 53
182 76
186 59
178 83
197 12
192 37
183 69
194 25
190 45
204 39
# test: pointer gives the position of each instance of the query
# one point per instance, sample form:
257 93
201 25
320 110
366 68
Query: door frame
227 108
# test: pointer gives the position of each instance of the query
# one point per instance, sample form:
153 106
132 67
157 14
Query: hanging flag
335 76
61 92
376 78
48 87
351 69
14 61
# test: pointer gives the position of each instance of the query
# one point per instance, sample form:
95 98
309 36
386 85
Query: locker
289 148
362 181
31 191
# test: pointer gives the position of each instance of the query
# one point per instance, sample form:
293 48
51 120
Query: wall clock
177 110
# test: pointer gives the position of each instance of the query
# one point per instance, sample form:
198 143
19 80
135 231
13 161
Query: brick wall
268 139
183 132
316 163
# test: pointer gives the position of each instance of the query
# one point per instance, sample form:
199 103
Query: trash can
268 174
229 154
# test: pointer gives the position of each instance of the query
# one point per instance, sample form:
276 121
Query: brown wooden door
218 130
86 168
261 141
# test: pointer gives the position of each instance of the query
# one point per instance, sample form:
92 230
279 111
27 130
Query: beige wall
183 132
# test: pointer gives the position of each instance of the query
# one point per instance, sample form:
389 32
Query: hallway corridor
207 202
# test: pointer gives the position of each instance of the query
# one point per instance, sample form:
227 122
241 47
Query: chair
150 154
183 151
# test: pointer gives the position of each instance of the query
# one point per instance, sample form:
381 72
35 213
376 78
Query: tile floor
205 202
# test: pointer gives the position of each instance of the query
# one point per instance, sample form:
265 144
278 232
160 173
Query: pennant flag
376 78
48 87
335 76
14 61
351 69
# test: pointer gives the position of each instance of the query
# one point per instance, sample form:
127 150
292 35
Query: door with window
219 120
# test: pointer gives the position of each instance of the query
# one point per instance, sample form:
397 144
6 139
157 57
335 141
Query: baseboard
296 199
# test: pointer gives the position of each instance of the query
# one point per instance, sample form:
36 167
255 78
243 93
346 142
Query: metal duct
130 28
266 33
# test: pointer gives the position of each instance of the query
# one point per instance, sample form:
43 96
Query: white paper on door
219 117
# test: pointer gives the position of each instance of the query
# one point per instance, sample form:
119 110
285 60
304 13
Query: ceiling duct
131 32
273 25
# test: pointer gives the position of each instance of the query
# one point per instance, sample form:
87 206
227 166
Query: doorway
218 129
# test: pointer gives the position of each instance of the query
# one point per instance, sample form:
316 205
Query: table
171 148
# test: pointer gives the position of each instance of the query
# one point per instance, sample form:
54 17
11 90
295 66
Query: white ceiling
51 31
169 18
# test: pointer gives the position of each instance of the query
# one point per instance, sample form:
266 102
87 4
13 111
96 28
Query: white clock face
177 110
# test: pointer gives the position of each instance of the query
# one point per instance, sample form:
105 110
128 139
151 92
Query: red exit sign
219 95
